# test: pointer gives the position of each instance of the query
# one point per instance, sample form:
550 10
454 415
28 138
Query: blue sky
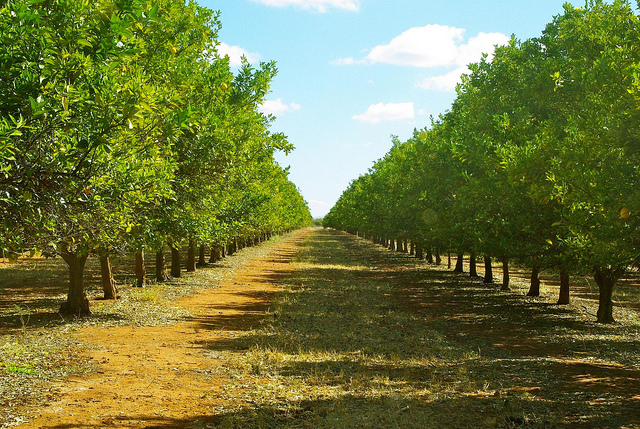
351 73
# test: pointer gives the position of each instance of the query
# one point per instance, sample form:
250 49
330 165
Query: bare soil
161 376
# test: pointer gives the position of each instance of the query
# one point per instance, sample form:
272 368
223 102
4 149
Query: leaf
84 42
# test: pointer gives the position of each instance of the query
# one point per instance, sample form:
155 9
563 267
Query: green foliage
13 368
537 160
121 127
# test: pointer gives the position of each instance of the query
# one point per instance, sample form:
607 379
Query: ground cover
323 329
364 337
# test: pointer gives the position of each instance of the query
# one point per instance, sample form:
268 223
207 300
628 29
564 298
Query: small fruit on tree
625 213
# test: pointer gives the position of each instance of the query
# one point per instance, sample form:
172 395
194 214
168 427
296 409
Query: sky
354 73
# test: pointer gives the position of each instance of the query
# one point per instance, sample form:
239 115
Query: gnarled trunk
161 267
176 269
488 270
563 296
141 270
534 287
429 256
108 283
473 272
606 279
439 258
459 264
505 274
77 302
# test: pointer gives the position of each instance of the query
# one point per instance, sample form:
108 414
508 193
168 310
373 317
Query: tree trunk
108 283
419 252
429 256
505 274
176 268
216 254
534 288
202 260
606 279
449 260
563 296
141 270
161 267
77 302
439 258
412 248
488 270
473 272
191 256
459 264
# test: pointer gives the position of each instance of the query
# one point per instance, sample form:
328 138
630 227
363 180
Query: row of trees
537 161
122 129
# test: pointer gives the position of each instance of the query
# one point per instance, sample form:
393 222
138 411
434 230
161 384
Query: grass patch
151 293
18 368
364 337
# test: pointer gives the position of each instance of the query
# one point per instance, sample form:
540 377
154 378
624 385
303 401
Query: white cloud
446 82
277 107
380 112
318 5
236 53
483 43
428 46
433 46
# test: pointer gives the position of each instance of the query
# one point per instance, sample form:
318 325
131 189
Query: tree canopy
537 160
122 127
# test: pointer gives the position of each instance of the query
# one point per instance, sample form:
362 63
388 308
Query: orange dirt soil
161 376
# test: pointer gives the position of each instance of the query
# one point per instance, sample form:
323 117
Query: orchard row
537 161
123 129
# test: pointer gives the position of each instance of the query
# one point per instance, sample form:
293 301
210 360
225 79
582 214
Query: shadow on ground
382 340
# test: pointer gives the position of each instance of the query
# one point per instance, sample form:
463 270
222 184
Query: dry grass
367 338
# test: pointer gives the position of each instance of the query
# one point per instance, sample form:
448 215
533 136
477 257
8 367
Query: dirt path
162 376
357 336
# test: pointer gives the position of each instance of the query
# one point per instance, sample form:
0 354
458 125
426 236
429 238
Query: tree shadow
371 314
